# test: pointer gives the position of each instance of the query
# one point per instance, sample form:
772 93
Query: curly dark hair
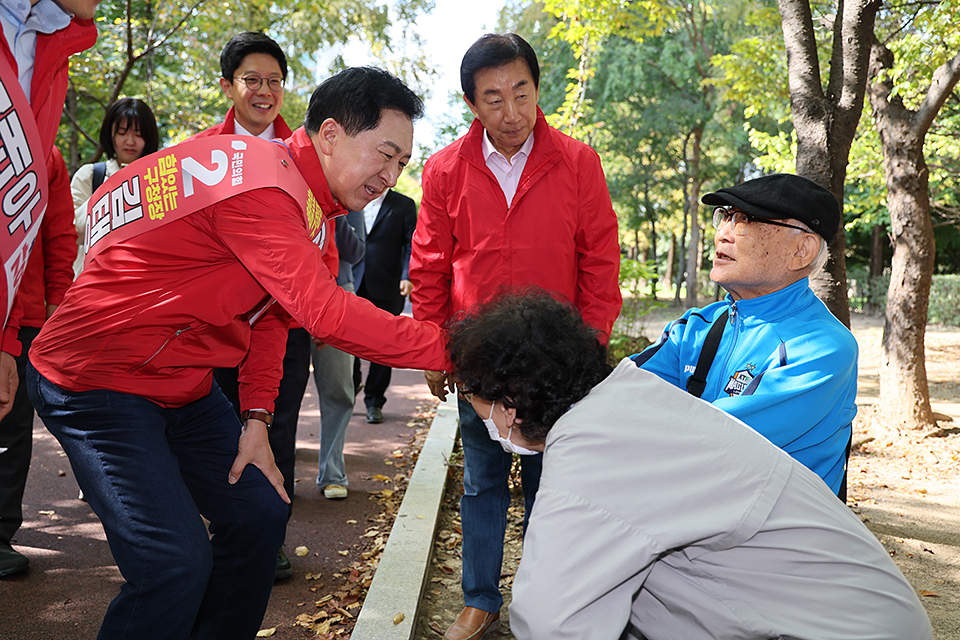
529 351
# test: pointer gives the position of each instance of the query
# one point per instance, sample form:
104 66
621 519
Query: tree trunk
682 253
877 245
73 139
654 281
904 394
693 204
826 120
671 257
877 249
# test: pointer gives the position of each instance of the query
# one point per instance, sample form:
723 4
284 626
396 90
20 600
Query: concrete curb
402 573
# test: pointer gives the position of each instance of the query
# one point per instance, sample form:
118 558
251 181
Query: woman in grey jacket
660 516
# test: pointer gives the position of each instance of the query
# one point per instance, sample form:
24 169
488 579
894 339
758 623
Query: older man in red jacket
122 372
513 202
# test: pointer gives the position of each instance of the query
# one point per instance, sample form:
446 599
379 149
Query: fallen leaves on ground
337 611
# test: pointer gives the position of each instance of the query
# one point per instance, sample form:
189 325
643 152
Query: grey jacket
662 516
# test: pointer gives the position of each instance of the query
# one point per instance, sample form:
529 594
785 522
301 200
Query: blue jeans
483 508
333 374
149 473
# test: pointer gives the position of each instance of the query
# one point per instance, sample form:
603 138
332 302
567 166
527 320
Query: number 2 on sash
192 169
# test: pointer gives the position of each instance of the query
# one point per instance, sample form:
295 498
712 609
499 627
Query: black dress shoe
284 569
374 415
11 561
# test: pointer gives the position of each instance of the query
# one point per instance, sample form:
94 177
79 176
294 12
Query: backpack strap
698 381
99 174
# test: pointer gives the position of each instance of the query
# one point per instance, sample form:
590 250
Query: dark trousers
483 507
378 378
152 474
16 436
283 432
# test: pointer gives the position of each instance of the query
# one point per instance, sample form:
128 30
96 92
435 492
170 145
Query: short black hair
245 43
495 50
356 97
530 351
130 112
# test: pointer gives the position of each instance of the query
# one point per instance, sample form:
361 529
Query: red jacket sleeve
266 231
58 233
262 368
598 248
431 259
11 340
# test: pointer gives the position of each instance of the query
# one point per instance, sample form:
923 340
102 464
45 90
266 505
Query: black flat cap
783 195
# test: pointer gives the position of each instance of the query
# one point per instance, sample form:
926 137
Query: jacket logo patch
738 382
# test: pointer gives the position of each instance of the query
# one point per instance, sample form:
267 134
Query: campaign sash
23 183
175 182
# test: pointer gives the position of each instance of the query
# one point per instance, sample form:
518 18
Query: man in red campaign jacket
514 202
36 41
121 374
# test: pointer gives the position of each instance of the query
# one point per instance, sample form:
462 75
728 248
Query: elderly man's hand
438 383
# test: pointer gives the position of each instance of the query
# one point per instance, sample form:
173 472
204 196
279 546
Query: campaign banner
175 182
23 183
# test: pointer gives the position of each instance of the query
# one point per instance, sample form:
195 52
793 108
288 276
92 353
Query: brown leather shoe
473 624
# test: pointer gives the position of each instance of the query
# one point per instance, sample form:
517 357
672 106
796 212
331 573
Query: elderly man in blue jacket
770 353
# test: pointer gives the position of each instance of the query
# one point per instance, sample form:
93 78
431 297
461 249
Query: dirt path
905 487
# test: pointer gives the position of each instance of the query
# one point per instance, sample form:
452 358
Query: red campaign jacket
560 232
48 89
152 315
49 271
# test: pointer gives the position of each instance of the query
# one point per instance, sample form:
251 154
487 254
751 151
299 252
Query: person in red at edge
121 374
36 41
39 56
513 202
48 275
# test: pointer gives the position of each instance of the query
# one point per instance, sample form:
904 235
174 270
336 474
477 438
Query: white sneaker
334 492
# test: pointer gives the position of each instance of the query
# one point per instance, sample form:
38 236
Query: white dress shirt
507 172
21 24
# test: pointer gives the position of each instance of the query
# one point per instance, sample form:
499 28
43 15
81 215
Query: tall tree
826 117
904 394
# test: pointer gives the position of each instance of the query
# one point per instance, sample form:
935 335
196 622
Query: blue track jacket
785 366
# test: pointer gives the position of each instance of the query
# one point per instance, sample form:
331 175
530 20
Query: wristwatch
257 414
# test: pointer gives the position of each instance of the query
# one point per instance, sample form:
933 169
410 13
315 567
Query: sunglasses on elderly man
741 220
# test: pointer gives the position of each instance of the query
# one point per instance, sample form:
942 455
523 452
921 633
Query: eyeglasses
466 395
741 220
255 82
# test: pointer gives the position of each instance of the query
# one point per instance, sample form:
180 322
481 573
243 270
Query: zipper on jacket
733 343
162 347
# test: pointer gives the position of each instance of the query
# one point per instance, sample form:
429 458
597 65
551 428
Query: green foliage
585 25
867 294
945 300
870 295
168 54
627 337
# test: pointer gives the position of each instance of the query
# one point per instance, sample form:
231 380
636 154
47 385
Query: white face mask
506 443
